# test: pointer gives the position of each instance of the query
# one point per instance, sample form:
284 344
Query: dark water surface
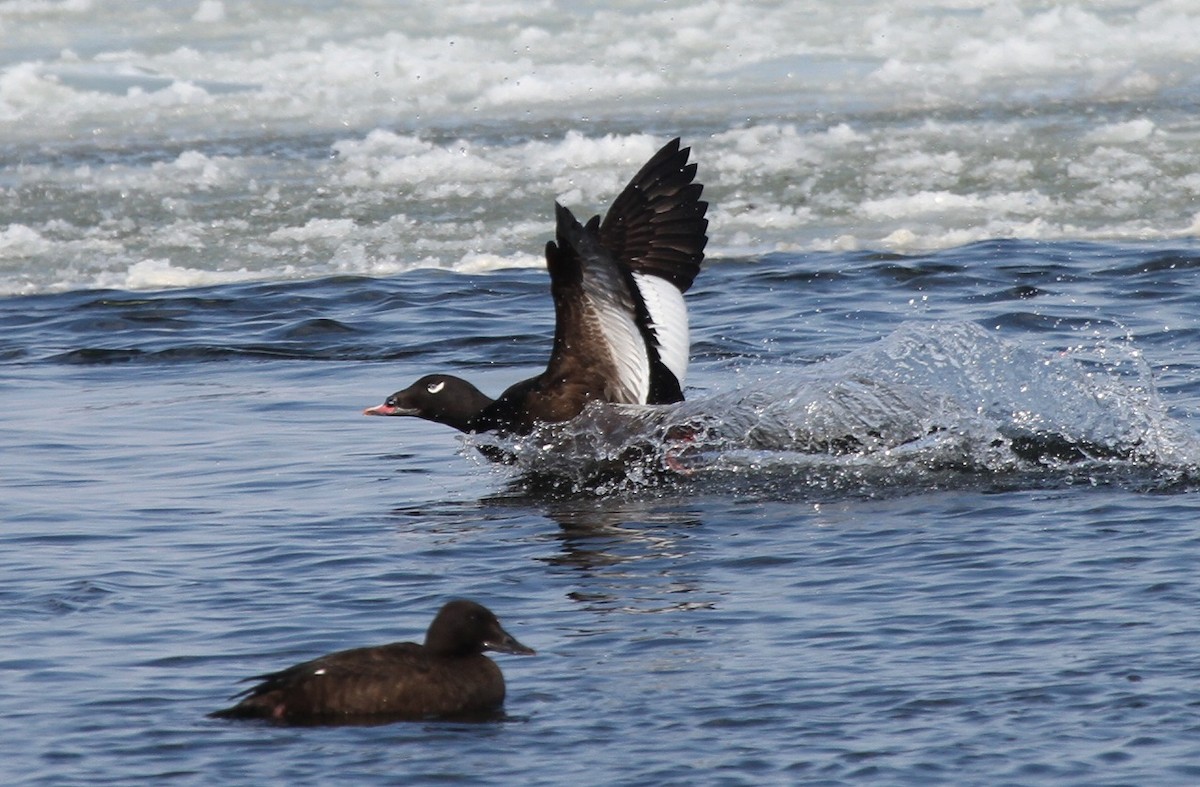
190 497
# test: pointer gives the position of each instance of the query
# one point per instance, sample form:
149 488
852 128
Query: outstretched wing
656 226
618 285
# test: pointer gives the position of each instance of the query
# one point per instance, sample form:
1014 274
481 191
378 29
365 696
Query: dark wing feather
360 681
356 663
657 225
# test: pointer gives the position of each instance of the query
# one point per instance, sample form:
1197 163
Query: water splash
930 406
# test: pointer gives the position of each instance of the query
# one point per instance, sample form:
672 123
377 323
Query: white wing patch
612 308
628 349
669 319
609 300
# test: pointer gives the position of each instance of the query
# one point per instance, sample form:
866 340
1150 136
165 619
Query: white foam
1134 130
333 138
485 263
17 240
315 229
161 274
326 66
209 11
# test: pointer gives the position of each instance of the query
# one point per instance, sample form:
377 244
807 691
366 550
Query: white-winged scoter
621 325
446 676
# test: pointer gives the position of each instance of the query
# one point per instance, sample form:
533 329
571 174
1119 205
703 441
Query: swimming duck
448 675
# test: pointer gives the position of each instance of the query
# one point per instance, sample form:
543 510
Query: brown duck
447 676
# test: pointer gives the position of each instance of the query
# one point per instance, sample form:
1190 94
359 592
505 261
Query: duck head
442 398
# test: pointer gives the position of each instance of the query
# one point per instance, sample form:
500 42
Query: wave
941 405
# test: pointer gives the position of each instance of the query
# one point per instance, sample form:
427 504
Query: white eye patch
435 387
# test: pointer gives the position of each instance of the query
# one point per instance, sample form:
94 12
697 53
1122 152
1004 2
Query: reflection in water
627 555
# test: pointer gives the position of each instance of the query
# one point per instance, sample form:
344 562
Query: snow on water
152 145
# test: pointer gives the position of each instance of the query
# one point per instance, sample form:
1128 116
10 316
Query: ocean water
927 517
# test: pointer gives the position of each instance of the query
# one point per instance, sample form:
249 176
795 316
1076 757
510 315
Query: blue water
191 497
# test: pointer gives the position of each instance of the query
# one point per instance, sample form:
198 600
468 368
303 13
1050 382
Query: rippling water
192 498
927 517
